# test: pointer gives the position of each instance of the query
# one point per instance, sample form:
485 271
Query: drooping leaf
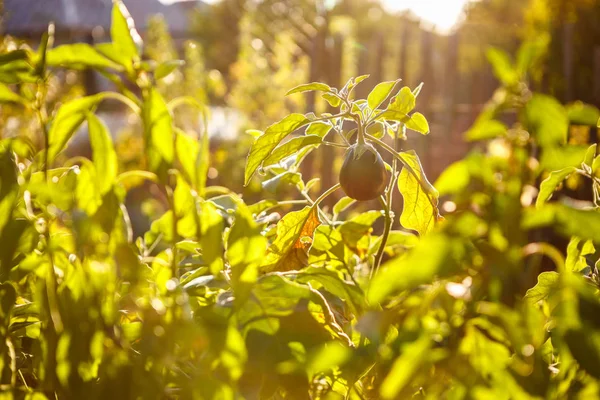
290 147
79 56
315 86
420 197
105 156
404 102
294 236
417 122
380 93
68 119
549 185
264 144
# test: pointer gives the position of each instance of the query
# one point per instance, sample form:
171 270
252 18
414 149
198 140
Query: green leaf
342 205
294 234
79 56
413 355
264 144
319 128
589 155
503 66
566 221
355 229
68 119
404 102
158 131
396 239
328 249
436 256
559 157
547 282
211 240
127 41
380 93
577 250
549 185
417 122
580 113
547 120
189 153
420 197
307 87
166 68
333 100
334 284
484 129
290 147
454 179
104 155
8 96
596 166
284 178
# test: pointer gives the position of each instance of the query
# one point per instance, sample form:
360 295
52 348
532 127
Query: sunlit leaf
547 120
126 39
294 236
79 56
420 206
212 225
412 357
290 147
417 122
68 119
105 156
353 230
577 251
547 282
158 132
549 185
166 68
380 93
315 86
503 66
264 144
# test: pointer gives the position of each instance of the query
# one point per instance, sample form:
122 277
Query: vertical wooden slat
568 60
596 74
403 54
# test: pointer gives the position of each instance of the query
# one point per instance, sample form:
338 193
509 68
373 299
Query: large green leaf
68 119
105 156
418 123
125 38
420 197
79 56
405 367
290 147
549 185
264 144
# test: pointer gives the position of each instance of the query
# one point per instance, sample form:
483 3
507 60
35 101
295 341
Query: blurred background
243 55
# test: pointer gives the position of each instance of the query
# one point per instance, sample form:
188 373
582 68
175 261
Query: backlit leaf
79 56
126 39
290 147
307 87
549 185
547 282
105 157
380 93
417 122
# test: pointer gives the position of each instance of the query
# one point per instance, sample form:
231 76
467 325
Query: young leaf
380 93
290 147
404 102
68 119
342 205
126 39
307 87
79 56
289 250
166 68
264 144
550 184
104 155
333 100
417 122
420 197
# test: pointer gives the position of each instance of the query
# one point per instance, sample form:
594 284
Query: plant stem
326 193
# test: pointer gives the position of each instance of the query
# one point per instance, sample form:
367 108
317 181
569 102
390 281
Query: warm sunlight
444 14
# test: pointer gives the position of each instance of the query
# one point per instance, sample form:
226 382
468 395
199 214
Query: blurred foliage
222 297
